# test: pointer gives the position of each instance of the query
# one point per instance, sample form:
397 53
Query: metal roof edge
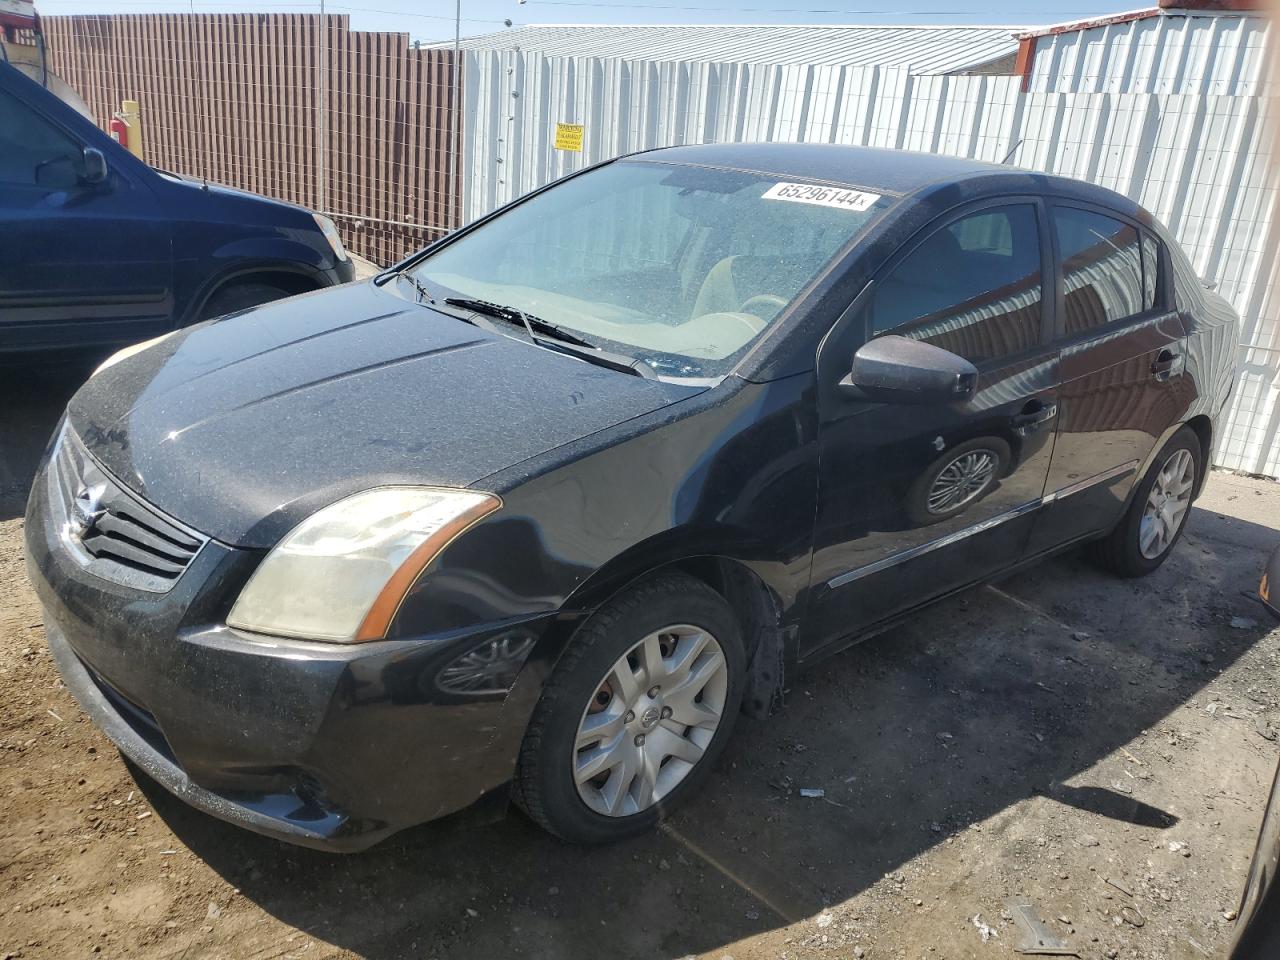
762 26
1129 16
490 39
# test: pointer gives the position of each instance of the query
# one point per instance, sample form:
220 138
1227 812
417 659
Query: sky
434 19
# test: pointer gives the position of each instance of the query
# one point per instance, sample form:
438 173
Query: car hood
222 190
243 426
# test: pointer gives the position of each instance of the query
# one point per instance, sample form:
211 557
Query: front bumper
344 271
325 745
284 815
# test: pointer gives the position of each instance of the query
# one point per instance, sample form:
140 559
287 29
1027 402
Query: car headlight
341 574
129 351
330 231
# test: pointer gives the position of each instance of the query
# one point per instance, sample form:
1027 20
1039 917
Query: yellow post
131 113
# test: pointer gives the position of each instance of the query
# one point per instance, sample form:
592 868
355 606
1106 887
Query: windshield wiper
515 315
420 291
560 339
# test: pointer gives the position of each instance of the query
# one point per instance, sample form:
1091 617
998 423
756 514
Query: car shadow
976 704
32 398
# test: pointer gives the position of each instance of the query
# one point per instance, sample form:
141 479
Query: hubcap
1167 504
962 480
650 720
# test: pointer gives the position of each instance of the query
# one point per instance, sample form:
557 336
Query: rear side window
33 152
973 287
1152 273
1101 269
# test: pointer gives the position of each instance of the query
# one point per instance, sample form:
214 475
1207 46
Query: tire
1122 551
240 296
917 503
546 783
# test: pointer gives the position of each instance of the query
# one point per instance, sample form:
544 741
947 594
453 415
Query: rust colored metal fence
293 106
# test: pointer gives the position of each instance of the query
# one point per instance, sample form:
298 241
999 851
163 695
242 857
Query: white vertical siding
1200 162
1169 53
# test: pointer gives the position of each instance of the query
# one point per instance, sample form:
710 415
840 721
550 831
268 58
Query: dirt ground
1103 748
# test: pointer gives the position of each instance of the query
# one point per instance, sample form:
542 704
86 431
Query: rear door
80 264
916 500
1122 355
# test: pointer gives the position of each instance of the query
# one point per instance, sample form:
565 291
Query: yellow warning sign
569 137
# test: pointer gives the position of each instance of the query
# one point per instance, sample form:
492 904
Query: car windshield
681 267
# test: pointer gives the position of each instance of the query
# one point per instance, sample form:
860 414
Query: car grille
110 531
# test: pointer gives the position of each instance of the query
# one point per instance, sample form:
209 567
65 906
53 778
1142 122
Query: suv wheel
1158 513
635 714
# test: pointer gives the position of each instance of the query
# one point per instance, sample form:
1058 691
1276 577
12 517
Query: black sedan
536 513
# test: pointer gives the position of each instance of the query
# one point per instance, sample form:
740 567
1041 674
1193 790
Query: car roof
889 171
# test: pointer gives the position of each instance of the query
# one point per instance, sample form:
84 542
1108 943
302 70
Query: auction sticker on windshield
842 197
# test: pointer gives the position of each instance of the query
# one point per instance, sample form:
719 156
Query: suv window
33 152
973 287
1101 269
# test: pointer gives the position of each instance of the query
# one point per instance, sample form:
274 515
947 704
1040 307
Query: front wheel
635 714
1158 513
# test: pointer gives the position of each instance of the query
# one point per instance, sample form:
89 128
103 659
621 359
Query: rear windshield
682 267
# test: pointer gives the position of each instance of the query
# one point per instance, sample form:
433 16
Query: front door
80 264
916 500
1122 360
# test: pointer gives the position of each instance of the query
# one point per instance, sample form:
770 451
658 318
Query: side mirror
899 370
93 166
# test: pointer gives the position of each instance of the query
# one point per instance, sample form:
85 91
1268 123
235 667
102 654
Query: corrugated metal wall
238 99
1172 52
1199 162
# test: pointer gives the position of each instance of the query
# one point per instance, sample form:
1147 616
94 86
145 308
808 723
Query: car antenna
1009 156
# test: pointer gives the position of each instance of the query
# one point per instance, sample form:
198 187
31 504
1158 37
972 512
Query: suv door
81 264
1122 355
917 500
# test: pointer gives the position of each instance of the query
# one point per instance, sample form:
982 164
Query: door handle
1165 365
1034 415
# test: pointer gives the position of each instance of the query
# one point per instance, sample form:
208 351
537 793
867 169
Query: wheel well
286 280
1203 428
291 282
759 613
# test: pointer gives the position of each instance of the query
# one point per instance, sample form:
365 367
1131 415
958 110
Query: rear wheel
635 714
240 296
1158 513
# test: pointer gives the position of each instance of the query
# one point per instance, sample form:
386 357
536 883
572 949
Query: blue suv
98 249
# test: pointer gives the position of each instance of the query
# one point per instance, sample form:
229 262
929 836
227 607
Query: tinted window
1151 271
1101 269
33 152
973 287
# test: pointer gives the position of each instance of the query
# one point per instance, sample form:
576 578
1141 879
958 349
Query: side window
973 287
1152 272
33 152
1101 269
